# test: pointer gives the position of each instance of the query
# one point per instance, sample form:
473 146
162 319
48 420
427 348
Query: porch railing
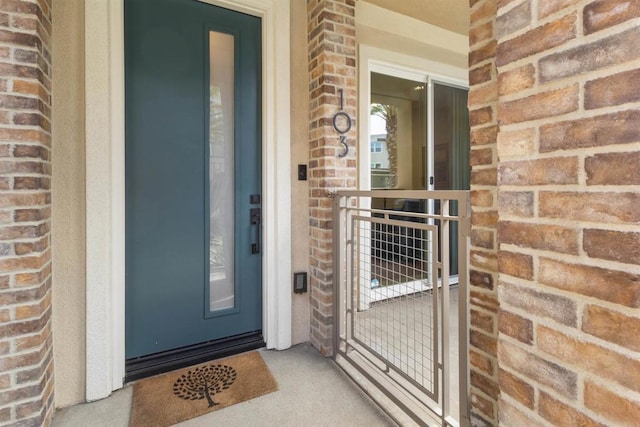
395 252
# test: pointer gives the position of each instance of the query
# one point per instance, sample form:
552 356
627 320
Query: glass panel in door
398 129
221 171
451 170
451 138
451 150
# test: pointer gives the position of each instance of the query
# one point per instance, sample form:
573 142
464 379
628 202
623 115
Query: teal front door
193 177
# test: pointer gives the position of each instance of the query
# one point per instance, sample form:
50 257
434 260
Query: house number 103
342 124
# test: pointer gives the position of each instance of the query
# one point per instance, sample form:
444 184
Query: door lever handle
255 217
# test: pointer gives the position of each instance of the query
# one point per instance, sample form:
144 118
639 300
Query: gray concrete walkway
313 391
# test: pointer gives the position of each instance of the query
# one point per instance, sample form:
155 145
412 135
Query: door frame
105 184
419 69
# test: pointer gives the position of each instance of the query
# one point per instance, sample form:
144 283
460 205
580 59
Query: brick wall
332 66
569 207
483 101
26 367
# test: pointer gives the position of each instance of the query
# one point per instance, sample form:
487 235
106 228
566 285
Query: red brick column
26 366
569 206
332 66
483 303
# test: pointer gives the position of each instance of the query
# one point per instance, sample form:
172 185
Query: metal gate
401 315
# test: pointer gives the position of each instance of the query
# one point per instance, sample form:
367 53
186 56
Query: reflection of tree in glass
216 249
204 382
216 122
390 115
218 184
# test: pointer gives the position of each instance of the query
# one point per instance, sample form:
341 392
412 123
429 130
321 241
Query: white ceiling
452 15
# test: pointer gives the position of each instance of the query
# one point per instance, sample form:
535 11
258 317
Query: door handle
255 215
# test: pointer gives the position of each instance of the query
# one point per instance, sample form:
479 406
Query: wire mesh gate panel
400 328
393 282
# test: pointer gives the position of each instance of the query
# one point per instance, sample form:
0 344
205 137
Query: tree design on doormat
204 382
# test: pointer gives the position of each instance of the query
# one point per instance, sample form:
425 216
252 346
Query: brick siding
26 365
332 66
483 109
569 207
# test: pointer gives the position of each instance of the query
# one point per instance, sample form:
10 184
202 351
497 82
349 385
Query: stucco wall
299 155
68 188
392 31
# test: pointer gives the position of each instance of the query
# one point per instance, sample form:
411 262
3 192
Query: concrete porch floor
312 391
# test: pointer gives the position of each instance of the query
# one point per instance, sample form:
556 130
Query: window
418 128
397 122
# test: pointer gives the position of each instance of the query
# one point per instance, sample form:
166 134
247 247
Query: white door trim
104 111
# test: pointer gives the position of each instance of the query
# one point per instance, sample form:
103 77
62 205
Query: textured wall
68 209
299 156
26 359
569 205
332 66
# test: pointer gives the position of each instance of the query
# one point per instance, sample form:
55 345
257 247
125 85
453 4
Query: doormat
179 395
